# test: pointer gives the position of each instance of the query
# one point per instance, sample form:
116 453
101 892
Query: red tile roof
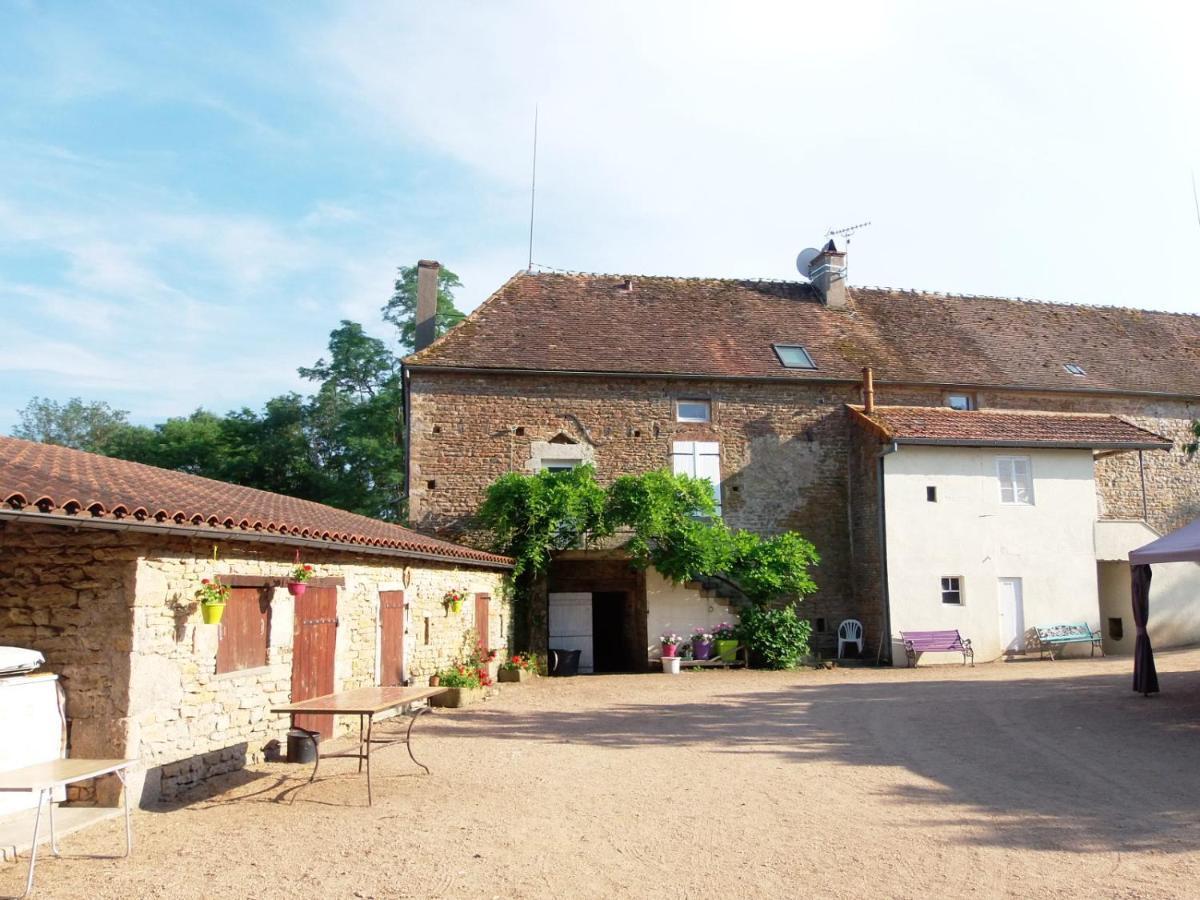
726 328
60 482
1003 428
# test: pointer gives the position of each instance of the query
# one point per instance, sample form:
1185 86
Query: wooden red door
391 637
314 641
482 608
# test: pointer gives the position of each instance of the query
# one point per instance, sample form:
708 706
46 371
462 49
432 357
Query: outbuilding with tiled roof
100 563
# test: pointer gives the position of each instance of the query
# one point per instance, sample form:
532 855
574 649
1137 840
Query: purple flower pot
702 649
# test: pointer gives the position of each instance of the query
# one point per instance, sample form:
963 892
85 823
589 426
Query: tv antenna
533 188
847 232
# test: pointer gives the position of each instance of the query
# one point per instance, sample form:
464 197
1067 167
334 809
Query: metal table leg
37 823
408 737
128 827
370 726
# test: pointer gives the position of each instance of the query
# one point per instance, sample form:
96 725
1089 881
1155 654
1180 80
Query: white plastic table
44 778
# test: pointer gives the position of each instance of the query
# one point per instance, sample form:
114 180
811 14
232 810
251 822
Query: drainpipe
1142 475
868 391
885 599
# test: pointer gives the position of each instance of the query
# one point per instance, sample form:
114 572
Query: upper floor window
960 401
1016 479
699 459
793 356
1075 369
693 411
952 592
559 465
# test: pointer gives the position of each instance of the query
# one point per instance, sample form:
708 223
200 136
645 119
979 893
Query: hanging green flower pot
212 612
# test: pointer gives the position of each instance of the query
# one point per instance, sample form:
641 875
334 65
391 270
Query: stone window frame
970 398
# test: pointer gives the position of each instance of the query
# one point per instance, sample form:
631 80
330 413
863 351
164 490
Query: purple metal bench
936 641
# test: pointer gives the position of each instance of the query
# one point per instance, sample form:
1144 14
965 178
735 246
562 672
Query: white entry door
1012 616
571 626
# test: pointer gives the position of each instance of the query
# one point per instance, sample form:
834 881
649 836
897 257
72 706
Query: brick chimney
828 275
426 315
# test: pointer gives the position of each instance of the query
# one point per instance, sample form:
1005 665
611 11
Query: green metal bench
1054 636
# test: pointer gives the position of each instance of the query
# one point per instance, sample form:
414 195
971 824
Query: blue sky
195 194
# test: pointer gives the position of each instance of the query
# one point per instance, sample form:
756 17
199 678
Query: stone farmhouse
100 560
959 461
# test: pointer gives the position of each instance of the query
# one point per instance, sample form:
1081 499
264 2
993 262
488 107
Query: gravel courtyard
1027 778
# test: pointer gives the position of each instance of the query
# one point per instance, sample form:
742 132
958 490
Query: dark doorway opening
610 642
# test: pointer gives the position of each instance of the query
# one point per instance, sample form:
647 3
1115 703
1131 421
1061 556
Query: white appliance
34 725
571 626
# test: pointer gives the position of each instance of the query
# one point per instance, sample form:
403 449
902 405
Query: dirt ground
1028 778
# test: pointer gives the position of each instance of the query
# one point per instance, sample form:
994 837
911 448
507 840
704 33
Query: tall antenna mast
847 233
1195 197
533 188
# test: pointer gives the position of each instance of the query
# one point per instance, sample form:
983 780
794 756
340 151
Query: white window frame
694 401
1006 467
957 589
699 459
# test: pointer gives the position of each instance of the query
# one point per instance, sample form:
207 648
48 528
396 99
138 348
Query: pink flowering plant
703 636
212 592
671 638
724 632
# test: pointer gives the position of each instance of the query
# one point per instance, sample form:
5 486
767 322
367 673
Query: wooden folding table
366 703
44 778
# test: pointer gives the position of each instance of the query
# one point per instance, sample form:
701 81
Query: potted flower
298 579
670 643
453 600
702 644
212 596
462 685
518 668
725 637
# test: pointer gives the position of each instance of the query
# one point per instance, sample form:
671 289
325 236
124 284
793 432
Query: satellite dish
805 258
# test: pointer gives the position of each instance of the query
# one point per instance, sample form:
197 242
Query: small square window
931 494
961 402
952 590
1075 369
693 411
793 356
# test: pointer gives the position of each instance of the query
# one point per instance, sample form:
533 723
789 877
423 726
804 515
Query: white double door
571 626
1010 594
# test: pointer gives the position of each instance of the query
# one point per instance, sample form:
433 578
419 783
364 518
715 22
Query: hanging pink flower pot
297 588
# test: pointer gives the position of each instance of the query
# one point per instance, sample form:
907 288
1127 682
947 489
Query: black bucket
302 745
563 662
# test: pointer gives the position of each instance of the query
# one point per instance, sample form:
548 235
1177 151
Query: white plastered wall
968 532
680 609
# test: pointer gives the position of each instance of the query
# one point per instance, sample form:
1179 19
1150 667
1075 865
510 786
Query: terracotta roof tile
725 327
986 427
57 480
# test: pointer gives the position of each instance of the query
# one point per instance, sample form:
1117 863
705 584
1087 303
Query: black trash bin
563 662
302 745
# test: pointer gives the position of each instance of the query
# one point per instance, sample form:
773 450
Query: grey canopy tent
1182 545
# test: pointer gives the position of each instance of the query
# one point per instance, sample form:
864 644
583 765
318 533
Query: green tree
77 424
355 423
401 310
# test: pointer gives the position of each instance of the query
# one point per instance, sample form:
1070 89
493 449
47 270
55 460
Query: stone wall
785 453
68 592
115 614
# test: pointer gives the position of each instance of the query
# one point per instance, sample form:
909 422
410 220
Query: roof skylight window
793 356
1074 368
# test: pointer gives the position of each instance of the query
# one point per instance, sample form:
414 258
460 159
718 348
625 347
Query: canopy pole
1145 678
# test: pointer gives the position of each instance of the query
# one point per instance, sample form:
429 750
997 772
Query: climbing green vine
669 520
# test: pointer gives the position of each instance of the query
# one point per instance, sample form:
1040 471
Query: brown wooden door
243 633
482 608
314 641
391 637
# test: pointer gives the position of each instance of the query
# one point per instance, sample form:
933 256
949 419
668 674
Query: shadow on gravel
1075 763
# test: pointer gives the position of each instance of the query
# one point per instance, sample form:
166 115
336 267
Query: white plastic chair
850 632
